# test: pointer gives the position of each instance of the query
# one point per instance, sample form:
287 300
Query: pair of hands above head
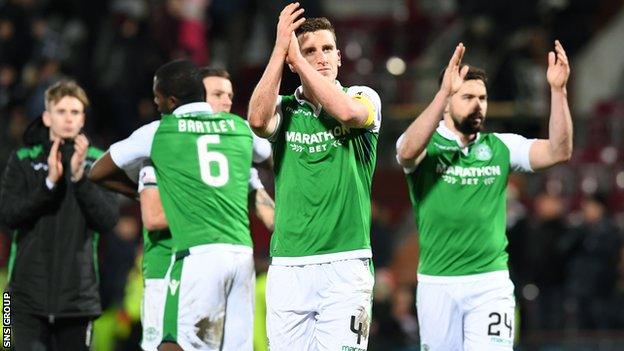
286 42
557 74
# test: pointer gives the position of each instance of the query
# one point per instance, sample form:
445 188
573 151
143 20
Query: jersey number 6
207 157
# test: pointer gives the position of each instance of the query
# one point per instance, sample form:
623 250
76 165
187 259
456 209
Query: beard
472 124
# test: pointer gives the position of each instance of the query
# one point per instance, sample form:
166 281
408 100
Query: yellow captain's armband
369 106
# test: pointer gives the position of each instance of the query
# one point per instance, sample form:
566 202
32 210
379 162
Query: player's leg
291 305
72 334
345 312
170 332
239 312
439 317
152 310
205 280
489 322
30 332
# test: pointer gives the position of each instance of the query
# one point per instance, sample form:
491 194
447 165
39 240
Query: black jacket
53 268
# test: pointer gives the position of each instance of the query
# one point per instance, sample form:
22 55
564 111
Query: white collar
446 133
299 92
301 99
193 107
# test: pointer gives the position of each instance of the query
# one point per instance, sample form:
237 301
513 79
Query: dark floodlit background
564 225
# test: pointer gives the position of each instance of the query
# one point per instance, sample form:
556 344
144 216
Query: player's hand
558 67
55 164
454 73
286 25
77 162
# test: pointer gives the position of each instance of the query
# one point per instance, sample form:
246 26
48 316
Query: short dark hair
315 24
181 80
214 72
474 73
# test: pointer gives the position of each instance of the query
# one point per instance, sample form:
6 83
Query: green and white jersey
459 200
323 173
157 244
202 161
157 251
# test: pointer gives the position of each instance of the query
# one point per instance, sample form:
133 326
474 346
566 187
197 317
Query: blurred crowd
564 226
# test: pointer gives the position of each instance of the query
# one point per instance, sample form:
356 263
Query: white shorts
323 306
152 309
210 299
468 313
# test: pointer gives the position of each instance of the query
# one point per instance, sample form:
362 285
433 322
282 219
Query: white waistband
324 258
220 247
444 279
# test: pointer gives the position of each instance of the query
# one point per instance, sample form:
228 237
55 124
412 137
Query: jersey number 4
206 158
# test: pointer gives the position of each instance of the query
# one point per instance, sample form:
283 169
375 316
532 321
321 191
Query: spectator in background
38 77
123 59
594 249
516 235
13 123
13 35
518 250
8 80
547 261
382 240
394 324
191 28
56 214
118 256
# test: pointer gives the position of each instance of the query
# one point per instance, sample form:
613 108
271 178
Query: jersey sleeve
137 146
279 115
261 149
133 169
406 170
254 180
369 98
519 148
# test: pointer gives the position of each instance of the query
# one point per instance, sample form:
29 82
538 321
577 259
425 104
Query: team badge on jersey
483 152
150 334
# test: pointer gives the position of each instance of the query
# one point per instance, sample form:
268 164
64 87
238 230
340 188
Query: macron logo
173 286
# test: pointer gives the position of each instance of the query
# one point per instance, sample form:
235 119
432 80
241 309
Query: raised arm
262 115
357 112
411 146
111 169
557 148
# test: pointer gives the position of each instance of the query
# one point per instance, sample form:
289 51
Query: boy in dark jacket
56 214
